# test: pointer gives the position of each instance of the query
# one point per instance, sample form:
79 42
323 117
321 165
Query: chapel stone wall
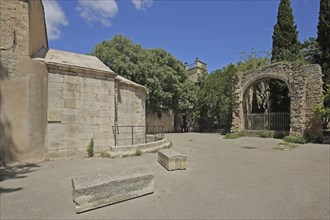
81 107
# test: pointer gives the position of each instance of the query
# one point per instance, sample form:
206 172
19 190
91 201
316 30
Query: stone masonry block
90 192
68 111
54 102
69 103
55 77
172 160
73 128
68 119
71 94
93 82
55 85
72 87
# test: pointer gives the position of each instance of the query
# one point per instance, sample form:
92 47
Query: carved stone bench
172 160
90 192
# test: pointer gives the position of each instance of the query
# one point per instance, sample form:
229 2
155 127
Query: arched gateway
305 91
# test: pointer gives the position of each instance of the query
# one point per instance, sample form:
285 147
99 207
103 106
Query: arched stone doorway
305 91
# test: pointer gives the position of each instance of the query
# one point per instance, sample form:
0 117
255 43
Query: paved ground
223 181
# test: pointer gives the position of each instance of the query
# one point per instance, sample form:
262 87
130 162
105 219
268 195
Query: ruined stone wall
305 90
23 84
313 86
80 107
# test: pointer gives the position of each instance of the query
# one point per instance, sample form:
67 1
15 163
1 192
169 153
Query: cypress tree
285 36
323 38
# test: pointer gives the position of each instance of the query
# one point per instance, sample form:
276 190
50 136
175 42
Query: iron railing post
132 136
145 134
115 136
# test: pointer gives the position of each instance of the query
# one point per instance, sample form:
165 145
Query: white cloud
55 18
98 10
142 4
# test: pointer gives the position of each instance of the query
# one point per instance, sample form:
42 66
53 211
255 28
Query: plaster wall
37 27
23 83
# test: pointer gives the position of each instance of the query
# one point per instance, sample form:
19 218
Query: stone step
172 160
94 191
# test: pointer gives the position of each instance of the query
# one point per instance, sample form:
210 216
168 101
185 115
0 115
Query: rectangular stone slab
172 160
90 192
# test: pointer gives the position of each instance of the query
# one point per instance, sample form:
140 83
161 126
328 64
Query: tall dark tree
323 38
285 37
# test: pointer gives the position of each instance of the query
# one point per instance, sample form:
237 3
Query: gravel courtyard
225 179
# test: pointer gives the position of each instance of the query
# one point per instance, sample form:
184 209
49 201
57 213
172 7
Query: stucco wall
80 108
14 17
23 83
37 27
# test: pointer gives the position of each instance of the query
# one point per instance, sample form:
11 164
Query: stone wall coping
74 69
128 82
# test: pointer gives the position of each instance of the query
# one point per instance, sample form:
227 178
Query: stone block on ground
172 160
94 191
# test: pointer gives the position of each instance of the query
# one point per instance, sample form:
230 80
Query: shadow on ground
15 172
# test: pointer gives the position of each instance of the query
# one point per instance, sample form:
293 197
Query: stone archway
305 90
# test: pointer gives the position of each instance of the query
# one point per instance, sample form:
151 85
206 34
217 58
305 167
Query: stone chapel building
53 102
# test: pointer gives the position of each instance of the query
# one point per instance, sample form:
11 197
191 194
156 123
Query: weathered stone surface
172 160
305 90
73 83
90 192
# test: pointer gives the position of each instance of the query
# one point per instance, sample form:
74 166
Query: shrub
295 139
245 133
314 138
105 155
285 146
234 135
265 134
138 153
90 148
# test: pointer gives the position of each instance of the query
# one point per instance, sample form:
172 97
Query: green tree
310 51
213 107
285 36
323 38
214 99
324 111
164 76
124 57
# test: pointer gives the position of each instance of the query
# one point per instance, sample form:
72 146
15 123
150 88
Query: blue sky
213 30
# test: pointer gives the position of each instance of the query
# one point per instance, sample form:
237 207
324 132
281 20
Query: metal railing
278 121
131 135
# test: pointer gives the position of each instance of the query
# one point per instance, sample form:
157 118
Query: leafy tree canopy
163 75
214 99
323 111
